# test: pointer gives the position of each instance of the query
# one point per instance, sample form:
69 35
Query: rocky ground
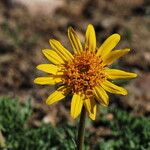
26 27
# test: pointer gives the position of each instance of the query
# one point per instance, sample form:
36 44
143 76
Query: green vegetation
13 119
128 132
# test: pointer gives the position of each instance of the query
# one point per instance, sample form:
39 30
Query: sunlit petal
114 55
101 96
58 95
50 68
108 45
48 80
61 50
76 105
91 108
119 74
112 88
90 38
75 41
53 57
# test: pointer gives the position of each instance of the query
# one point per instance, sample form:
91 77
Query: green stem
2 140
81 130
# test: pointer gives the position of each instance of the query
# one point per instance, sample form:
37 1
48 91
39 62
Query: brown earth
25 31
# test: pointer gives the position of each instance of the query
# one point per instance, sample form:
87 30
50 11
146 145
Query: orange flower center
84 72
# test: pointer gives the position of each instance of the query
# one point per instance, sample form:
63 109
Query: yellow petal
58 95
90 38
50 68
119 74
76 105
48 80
61 51
108 45
101 95
91 107
112 88
53 56
75 42
114 55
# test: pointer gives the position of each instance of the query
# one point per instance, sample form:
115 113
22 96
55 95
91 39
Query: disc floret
84 72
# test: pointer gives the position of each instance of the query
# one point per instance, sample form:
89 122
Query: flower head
85 73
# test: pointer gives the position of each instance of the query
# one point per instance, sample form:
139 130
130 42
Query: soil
25 31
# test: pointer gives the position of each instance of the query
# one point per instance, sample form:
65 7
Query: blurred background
25 29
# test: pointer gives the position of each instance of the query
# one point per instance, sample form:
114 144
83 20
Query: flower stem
81 130
2 140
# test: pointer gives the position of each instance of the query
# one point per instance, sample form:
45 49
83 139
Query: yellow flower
85 73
